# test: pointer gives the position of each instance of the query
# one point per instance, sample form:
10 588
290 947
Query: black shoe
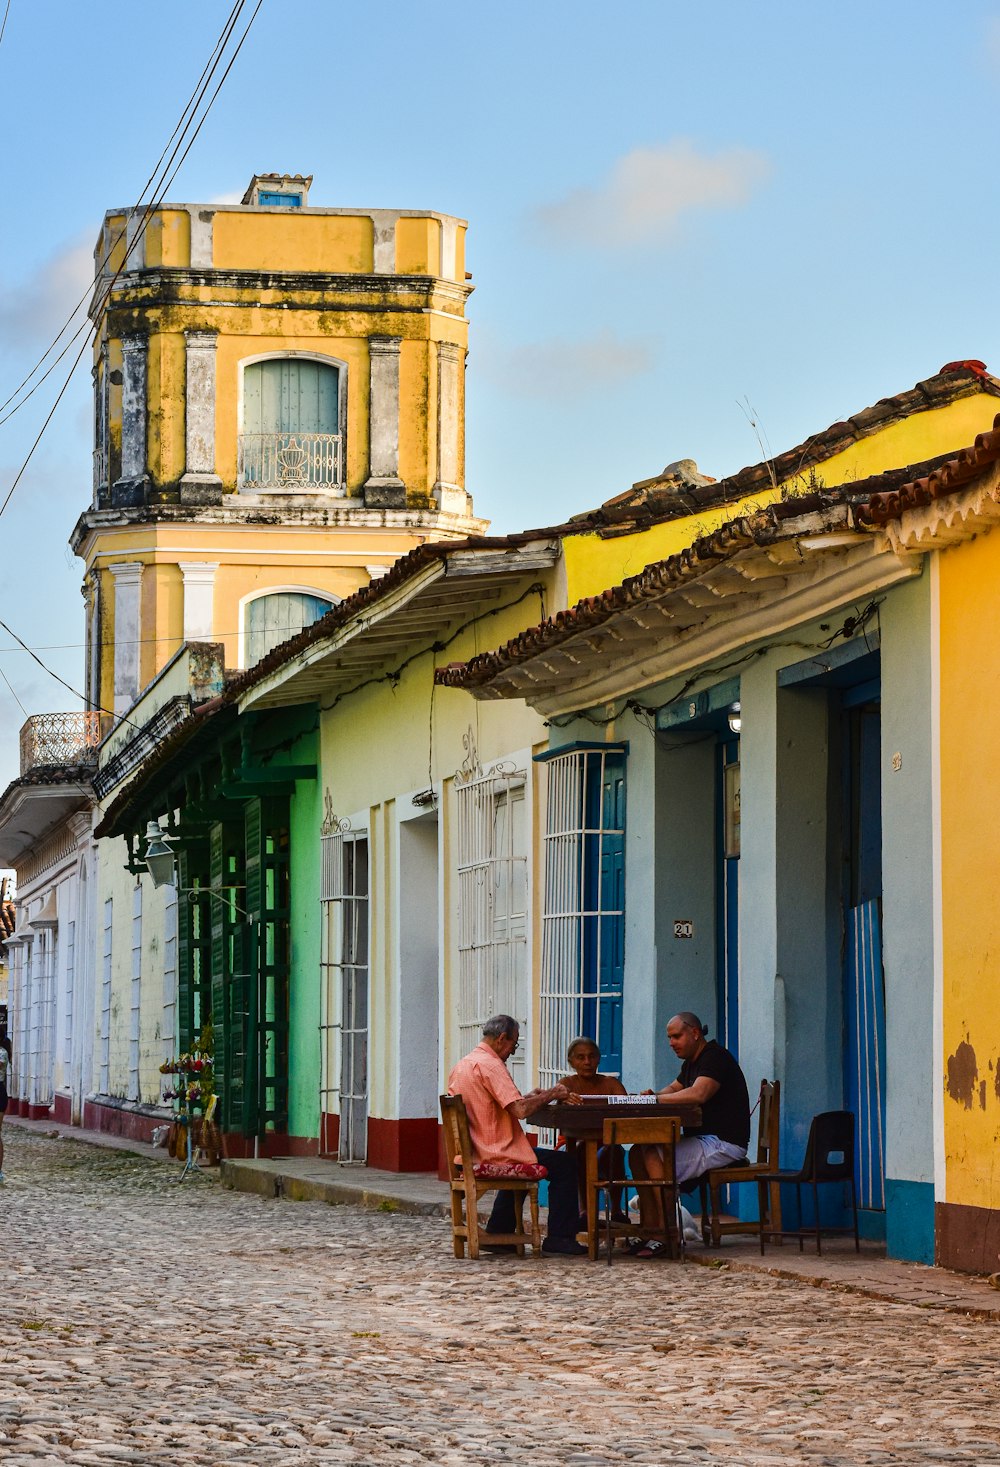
568 1246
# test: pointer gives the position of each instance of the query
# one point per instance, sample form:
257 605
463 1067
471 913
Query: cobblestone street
153 1323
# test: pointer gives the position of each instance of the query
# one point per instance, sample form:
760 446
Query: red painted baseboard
408 1145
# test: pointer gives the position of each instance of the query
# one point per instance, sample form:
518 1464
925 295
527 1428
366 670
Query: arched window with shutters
274 616
294 413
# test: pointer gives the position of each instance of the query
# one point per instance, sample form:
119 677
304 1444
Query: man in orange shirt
495 1106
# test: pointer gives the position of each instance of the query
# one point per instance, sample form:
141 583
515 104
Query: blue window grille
583 921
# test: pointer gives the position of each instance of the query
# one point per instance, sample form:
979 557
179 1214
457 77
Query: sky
684 220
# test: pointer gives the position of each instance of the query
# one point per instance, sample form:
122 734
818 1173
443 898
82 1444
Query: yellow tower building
279 414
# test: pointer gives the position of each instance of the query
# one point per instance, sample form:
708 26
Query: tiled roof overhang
750 579
412 610
149 794
32 807
944 482
409 609
654 500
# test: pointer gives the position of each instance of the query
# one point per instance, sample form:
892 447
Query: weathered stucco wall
969 1235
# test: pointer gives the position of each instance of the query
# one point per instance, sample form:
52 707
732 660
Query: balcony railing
60 738
291 461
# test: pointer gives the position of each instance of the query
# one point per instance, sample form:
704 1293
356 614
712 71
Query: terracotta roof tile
645 502
950 476
881 495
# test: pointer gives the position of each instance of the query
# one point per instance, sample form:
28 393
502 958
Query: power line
165 184
3 23
182 123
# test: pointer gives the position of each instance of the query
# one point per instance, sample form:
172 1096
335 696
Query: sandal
632 1245
653 1249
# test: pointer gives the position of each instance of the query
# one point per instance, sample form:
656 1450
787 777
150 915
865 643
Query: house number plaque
684 927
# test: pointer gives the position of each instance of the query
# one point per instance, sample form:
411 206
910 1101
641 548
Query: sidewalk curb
842 1286
269 1180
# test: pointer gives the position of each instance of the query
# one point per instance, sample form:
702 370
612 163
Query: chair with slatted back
710 1184
469 1180
662 1131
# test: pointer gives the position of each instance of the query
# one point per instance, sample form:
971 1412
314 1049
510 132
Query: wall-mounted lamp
159 857
735 718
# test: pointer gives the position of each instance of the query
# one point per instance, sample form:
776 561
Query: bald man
710 1078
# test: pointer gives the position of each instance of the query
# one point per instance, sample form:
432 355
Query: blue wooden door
611 972
864 984
727 894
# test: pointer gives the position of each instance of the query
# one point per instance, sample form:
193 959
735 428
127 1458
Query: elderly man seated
710 1078
495 1108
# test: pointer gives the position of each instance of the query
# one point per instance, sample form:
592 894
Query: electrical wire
3 23
94 707
183 122
150 209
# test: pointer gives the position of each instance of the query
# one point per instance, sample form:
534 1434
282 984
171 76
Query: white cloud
649 189
560 368
233 196
32 311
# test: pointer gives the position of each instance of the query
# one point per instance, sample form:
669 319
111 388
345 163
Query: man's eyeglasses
513 1043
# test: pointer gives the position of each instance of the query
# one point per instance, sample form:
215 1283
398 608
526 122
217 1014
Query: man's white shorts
697 1154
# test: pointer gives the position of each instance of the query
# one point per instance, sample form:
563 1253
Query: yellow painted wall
165 381
418 246
593 564
292 240
970 859
168 238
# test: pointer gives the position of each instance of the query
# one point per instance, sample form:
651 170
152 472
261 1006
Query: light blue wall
908 915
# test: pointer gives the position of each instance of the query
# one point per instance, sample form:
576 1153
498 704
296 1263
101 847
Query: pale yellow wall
382 745
970 859
254 239
593 564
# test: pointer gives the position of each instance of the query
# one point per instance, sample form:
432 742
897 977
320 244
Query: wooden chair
829 1158
467 1189
711 1183
641 1131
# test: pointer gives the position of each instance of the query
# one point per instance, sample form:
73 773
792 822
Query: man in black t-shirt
709 1078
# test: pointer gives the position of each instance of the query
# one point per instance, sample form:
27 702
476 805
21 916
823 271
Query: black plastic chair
829 1158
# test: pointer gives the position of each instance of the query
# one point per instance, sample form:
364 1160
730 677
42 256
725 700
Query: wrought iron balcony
60 738
291 461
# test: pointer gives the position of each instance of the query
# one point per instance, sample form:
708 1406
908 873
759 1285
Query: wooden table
585 1124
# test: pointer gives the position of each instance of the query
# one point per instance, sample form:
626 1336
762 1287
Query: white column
449 490
199 598
135 243
128 581
384 241
134 354
202 229
384 489
199 468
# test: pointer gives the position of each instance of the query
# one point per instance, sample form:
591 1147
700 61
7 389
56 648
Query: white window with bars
492 848
135 995
583 913
67 1037
42 1003
168 1026
344 995
105 1029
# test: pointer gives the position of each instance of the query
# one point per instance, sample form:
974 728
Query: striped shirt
483 1081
